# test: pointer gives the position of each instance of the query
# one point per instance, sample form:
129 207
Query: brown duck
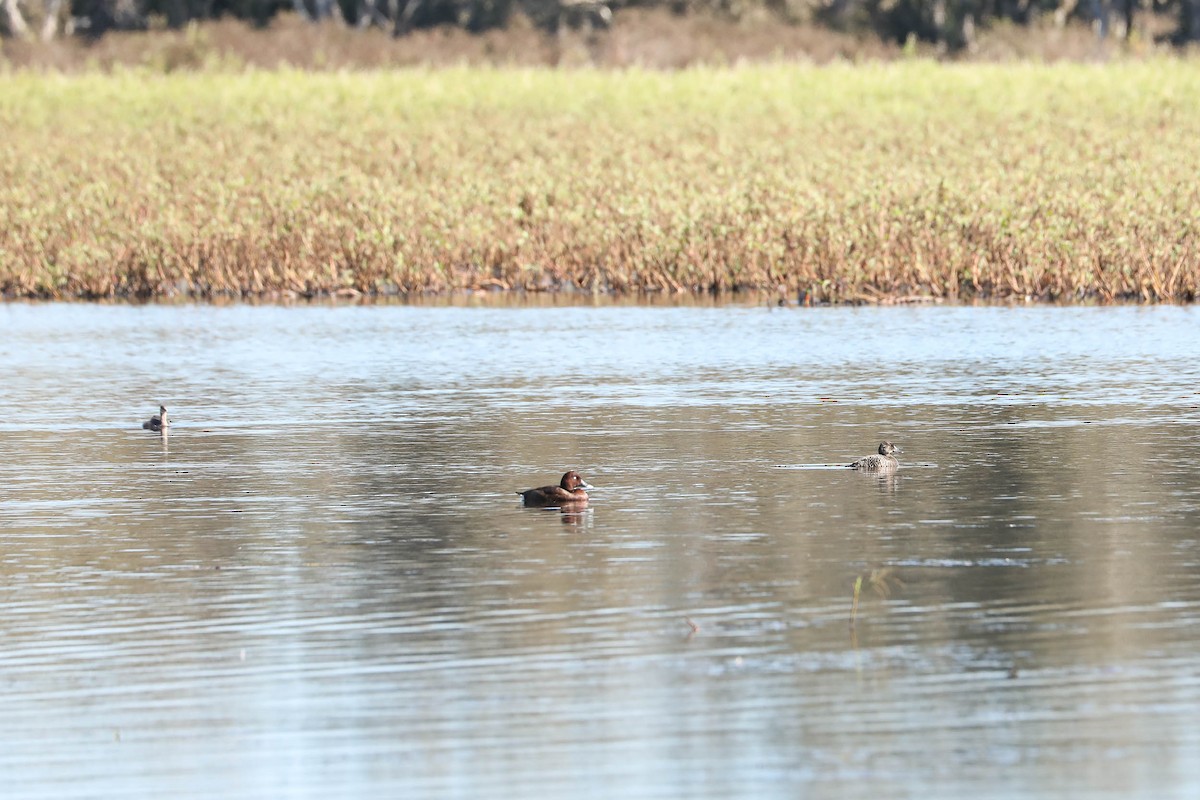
571 489
884 461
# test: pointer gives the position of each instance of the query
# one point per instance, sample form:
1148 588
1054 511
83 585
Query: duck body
158 421
571 489
883 461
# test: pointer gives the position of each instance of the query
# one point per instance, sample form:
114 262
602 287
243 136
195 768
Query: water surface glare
321 584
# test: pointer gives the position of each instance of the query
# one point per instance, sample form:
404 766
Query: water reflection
320 583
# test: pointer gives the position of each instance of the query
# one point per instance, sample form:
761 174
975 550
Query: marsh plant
832 184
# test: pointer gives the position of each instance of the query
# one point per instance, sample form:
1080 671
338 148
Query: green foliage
849 184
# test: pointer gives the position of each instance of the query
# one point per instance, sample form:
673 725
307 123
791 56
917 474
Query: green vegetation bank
839 183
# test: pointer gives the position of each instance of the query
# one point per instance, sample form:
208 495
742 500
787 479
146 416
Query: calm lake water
322 584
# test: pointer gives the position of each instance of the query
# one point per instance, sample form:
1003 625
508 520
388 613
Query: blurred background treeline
70 34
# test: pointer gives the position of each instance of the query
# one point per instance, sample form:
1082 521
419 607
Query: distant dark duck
883 462
158 421
571 489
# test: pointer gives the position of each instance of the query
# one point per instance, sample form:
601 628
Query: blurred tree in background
951 24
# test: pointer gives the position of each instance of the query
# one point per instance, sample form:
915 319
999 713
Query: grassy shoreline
836 184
